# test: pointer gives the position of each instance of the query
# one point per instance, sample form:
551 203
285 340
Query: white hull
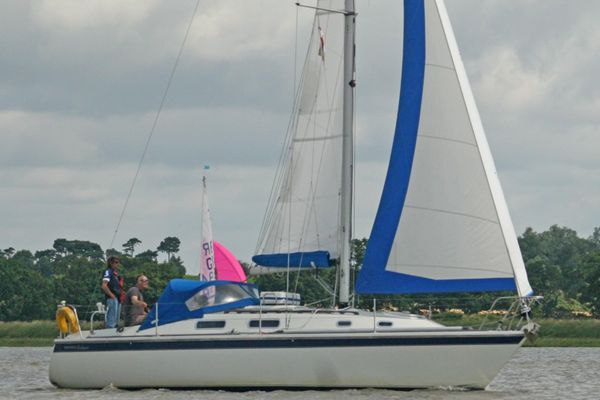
434 356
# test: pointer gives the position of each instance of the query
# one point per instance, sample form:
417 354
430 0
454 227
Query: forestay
442 223
302 224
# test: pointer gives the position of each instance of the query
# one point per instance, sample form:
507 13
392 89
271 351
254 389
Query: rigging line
325 10
283 161
292 140
154 124
295 58
281 172
326 127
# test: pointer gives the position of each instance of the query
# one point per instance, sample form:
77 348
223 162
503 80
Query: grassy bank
568 333
34 333
553 333
26 342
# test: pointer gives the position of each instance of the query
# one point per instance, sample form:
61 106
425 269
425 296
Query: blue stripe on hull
403 148
212 344
319 259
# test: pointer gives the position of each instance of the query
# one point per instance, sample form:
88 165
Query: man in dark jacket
112 286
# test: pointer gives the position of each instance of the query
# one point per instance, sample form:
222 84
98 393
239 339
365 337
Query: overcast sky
81 81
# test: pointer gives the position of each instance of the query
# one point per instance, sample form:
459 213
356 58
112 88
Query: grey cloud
77 103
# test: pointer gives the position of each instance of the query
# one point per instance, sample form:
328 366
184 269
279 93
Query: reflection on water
546 373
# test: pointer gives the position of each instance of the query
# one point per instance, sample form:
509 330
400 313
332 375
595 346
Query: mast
347 153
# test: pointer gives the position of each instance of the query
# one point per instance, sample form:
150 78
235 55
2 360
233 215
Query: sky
81 83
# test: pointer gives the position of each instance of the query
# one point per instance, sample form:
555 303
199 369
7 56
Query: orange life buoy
66 320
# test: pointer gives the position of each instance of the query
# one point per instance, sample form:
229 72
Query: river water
534 373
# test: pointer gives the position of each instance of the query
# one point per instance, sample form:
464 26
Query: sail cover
302 223
185 299
442 223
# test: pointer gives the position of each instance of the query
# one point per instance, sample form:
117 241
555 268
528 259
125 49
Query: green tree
77 281
591 272
32 285
148 255
169 245
129 246
87 249
559 247
49 254
113 252
82 248
8 252
61 246
44 261
24 257
24 293
595 238
544 277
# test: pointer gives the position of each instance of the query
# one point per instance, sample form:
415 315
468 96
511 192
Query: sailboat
442 226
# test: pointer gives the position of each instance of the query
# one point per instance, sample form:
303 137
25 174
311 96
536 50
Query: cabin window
344 323
384 323
210 324
265 323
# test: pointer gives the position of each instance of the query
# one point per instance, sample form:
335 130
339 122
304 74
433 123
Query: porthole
265 323
210 324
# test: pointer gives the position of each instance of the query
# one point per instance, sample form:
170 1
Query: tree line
562 266
32 284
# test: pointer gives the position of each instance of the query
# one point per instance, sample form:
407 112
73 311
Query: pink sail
228 267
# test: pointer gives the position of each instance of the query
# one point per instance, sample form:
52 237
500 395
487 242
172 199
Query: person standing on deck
112 286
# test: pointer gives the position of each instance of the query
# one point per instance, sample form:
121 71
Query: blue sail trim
391 282
403 148
319 259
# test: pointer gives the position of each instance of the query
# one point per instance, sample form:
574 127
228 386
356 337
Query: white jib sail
455 223
304 211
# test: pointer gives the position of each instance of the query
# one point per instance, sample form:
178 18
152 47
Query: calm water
547 373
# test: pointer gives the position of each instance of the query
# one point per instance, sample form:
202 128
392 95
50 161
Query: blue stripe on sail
320 259
391 282
403 148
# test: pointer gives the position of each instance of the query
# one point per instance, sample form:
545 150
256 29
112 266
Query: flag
321 44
